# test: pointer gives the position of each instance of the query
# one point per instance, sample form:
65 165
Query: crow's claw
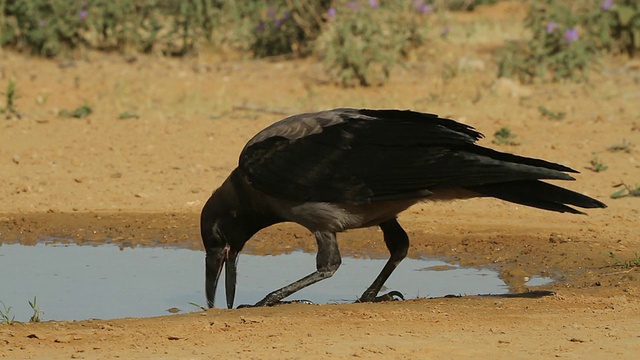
390 296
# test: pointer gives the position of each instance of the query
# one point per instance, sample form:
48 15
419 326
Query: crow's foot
390 296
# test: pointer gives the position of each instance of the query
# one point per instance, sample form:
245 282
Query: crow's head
223 234
227 222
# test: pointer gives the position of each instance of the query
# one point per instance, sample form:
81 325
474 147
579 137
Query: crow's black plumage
349 168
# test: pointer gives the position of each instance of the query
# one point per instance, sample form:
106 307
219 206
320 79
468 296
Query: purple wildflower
83 14
353 5
606 5
331 12
277 22
551 27
271 12
286 15
374 3
422 7
571 35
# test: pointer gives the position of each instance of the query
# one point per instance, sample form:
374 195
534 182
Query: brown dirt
143 181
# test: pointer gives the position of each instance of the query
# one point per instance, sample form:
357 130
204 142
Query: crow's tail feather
538 194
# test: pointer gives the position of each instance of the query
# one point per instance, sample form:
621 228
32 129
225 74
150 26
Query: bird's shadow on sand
536 294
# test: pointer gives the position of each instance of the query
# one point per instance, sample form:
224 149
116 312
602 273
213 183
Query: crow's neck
249 203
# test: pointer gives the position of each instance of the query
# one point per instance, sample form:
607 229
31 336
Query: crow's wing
360 156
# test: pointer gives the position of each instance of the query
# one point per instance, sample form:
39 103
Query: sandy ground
144 180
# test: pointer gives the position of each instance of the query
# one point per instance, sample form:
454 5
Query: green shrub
42 26
362 42
615 26
558 48
567 36
49 27
363 39
265 27
287 27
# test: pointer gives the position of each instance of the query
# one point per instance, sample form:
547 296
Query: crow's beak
214 262
230 277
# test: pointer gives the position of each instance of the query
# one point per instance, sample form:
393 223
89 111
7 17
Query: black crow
346 168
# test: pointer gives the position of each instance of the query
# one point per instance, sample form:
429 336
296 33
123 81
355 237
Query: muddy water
73 282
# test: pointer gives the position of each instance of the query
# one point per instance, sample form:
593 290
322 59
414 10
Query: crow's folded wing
361 156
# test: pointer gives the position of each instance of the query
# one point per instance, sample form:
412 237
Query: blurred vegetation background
358 41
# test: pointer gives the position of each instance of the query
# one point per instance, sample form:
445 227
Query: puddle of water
538 281
74 282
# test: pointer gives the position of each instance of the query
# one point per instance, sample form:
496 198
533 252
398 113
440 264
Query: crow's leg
398 243
327 262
